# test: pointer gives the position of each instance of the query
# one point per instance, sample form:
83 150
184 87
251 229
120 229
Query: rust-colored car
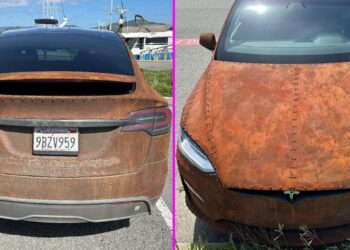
83 138
266 132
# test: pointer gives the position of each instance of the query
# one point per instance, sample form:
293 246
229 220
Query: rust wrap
274 127
229 210
111 164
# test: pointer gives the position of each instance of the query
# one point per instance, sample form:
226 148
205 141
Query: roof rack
46 21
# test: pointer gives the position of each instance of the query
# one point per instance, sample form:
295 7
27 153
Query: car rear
82 136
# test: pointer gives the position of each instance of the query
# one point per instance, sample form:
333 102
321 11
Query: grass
160 80
307 238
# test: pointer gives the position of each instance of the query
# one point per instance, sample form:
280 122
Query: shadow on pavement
208 234
34 229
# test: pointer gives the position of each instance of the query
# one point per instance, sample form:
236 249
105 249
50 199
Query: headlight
194 154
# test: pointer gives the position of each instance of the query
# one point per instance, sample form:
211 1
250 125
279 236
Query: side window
140 43
157 41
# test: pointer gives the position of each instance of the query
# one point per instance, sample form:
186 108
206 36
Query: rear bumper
74 211
148 182
225 209
106 186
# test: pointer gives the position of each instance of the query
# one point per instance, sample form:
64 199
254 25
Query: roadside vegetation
160 80
307 238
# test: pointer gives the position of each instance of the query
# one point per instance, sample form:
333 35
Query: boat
146 40
150 45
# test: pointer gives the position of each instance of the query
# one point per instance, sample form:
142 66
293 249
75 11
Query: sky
83 13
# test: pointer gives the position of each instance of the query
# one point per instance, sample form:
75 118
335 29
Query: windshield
287 31
62 51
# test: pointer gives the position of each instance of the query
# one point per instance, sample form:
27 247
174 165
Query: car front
264 135
83 138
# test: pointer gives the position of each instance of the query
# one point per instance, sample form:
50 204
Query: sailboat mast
111 15
50 11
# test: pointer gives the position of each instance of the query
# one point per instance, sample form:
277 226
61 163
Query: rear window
287 31
62 51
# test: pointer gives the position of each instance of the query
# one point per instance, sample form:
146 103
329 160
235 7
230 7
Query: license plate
56 141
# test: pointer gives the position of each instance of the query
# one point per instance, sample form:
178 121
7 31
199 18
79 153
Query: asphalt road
144 232
194 17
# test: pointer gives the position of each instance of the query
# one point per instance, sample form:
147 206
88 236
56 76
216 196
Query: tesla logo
291 194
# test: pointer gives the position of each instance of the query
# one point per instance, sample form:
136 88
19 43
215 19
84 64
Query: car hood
274 127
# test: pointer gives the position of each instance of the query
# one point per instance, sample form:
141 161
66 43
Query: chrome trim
194 192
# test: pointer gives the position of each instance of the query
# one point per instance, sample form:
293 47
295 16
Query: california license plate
56 141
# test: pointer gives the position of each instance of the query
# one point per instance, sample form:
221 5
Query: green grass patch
306 237
160 80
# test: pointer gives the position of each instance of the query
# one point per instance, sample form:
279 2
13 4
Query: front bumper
49 211
226 209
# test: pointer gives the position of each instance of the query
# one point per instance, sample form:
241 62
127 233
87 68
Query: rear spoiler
67 75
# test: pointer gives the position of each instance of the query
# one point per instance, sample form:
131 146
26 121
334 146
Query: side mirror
208 40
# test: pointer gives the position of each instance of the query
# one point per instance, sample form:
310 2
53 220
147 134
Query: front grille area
303 195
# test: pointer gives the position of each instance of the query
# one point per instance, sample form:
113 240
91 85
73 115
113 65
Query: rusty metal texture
274 127
224 208
270 128
80 107
148 182
208 40
111 164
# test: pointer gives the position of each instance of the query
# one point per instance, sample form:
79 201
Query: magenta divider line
174 130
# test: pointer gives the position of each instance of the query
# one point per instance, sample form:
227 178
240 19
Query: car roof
58 30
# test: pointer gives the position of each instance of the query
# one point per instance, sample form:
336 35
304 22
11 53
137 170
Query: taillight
154 121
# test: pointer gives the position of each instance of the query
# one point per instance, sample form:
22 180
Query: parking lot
193 18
